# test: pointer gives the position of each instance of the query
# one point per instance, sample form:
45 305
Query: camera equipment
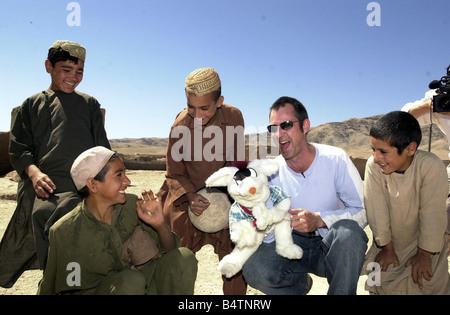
441 101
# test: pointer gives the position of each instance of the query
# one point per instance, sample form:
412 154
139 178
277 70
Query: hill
141 146
352 135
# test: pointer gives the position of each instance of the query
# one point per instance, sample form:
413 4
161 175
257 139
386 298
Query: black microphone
435 84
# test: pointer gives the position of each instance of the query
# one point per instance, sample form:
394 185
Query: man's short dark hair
300 110
398 129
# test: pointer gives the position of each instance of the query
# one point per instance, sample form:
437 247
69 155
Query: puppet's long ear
221 177
265 166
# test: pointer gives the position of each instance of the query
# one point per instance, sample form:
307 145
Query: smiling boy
109 227
185 177
50 130
405 195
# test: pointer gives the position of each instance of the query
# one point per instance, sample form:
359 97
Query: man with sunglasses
328 214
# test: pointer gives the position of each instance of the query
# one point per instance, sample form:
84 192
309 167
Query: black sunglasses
285 125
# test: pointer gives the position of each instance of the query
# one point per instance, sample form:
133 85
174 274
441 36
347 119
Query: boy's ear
219 102
48 66
92 185
412 148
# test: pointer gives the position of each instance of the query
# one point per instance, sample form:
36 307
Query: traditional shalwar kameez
86 257
51 129
408 210
189 165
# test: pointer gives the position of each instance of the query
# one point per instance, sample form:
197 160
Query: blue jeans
339 257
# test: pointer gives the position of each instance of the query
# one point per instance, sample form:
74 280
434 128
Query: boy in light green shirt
113 242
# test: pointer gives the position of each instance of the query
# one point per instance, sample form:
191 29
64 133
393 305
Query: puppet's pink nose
252 190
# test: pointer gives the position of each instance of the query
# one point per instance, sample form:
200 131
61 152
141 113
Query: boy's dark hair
84 192
398 129
58 54
300 110
217 93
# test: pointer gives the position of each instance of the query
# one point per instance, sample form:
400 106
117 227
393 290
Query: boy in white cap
50 130
120 243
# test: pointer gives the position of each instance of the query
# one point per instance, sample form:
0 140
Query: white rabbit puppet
258 209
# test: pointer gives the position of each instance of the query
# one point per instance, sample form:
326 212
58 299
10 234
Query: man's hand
424 108
305 221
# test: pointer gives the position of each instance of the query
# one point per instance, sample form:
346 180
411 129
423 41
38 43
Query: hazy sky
139 52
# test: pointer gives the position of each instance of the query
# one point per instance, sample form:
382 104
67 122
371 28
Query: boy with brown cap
188 170
50 130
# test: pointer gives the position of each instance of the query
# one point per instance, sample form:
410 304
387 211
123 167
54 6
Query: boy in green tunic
50 130
114 243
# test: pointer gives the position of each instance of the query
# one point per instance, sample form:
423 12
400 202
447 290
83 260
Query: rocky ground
209 281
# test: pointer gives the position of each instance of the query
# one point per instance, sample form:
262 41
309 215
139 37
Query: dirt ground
209 281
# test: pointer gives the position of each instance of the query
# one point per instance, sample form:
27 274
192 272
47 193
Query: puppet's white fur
245 236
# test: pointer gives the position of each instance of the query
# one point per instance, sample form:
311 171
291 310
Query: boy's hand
149 209
421 266
386 257
197 203
42 183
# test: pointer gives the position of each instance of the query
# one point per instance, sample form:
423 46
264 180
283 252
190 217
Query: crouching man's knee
347 234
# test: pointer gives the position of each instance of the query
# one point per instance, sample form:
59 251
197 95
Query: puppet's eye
241 174
253 172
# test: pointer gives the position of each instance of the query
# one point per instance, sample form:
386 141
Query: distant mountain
159 142
352 135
